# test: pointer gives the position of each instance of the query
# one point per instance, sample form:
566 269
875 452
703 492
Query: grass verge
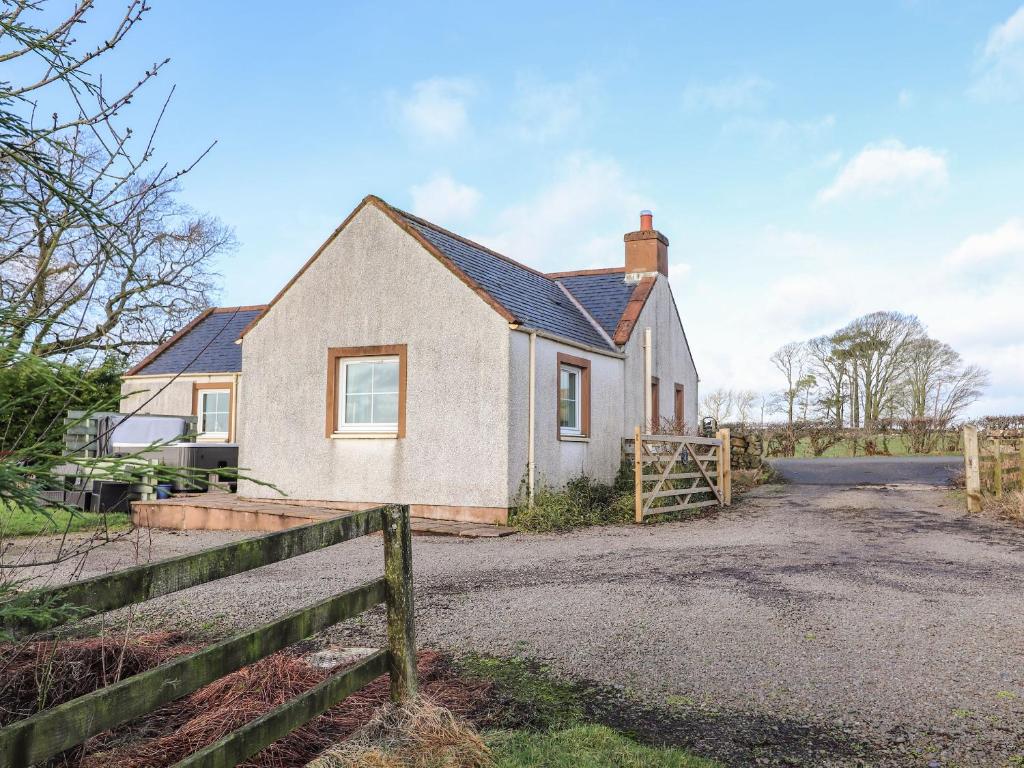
15 521
584 746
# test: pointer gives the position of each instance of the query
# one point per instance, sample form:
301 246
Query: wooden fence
38 738
678 472
993 464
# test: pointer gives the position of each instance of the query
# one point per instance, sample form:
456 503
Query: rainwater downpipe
648 372
532 401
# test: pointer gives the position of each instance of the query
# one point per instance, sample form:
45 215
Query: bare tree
122 275
791 361
744 400
718 404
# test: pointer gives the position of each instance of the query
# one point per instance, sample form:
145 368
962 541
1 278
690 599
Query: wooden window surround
655 409
198 387
680 408
334 357
584 367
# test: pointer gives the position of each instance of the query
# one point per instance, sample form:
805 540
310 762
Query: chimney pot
646 221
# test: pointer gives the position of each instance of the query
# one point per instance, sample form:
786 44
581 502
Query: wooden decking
228 512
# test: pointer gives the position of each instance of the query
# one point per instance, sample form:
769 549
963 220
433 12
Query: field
15 521
895 445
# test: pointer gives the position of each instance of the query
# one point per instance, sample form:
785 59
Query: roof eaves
634 307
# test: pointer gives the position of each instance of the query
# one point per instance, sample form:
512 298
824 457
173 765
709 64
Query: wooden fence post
997 469
972 469
638 473
725 466
401 621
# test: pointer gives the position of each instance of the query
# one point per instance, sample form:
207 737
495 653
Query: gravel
817 625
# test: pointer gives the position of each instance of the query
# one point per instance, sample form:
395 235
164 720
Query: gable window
211 405
366 391
573 397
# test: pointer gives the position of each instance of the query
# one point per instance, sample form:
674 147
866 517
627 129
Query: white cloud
780 131
544 110
443 199
986 248
437 108
886 168
734 93
576 221
1000 69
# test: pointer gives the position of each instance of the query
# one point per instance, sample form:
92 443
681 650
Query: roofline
584 272
586 313
606 351
195 321
163 347
635 305
247 308
679 319
188 375
395 215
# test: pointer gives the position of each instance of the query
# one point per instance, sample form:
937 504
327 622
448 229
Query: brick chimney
646 249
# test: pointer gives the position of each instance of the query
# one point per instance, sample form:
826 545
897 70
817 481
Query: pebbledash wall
170 395
672 362
371 285
558 460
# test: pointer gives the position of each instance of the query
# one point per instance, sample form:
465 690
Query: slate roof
603 295
206 345
533 298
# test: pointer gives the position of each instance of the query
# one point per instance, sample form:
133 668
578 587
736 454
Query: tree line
880 373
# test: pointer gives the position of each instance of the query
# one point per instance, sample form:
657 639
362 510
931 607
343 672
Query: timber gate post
401 622
638 474
972 469
724 466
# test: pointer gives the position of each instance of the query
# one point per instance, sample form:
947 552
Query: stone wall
747 449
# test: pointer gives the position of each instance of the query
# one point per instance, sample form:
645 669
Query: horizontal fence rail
50 732
144 582
686 469
993 464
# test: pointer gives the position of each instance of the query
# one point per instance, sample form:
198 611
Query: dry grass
417 735
1010 507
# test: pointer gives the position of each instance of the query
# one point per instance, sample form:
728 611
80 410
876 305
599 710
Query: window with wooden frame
573 397
655 408
366 389
212 407
680 408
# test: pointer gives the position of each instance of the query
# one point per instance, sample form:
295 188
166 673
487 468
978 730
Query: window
680 409
573 397
655 408
366 391
211 405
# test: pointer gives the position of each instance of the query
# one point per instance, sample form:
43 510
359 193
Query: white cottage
404 363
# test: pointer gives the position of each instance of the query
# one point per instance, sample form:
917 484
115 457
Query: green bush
582 502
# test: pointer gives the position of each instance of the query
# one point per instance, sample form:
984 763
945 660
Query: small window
569 401
214 412
369 395
573 397
366 391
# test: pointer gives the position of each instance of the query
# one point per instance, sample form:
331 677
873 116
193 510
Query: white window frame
576 431
342 426
202 412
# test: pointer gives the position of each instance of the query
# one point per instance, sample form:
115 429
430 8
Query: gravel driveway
799 626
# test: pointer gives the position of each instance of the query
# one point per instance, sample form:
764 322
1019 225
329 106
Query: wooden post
401 621
997 469
638 474
972 470
724 466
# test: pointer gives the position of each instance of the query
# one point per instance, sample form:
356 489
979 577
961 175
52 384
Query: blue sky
808 162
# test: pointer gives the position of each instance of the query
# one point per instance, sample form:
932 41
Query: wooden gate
678 472
993 463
